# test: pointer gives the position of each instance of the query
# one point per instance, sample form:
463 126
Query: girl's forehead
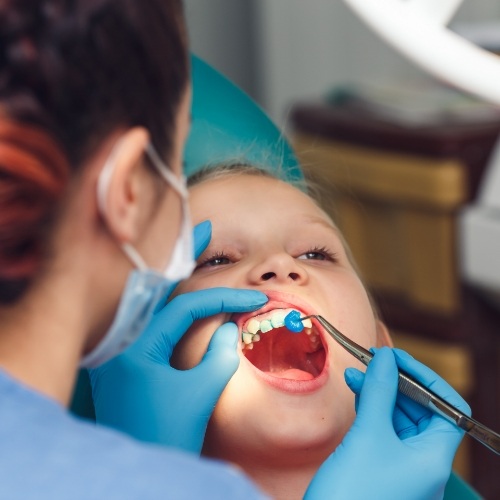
236 202
243 190
252 196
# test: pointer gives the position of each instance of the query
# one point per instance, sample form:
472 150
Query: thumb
378 394
202 233
221 360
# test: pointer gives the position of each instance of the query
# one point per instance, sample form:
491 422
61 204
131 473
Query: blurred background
280 51
405 160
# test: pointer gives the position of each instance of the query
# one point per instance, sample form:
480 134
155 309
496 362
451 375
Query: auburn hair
33 174
72 72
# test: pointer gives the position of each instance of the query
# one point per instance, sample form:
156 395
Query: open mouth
277 351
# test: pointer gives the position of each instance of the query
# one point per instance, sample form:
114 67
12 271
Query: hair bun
33 175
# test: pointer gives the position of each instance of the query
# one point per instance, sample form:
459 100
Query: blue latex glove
139 393
391 453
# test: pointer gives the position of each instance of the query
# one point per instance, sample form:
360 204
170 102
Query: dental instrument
407 385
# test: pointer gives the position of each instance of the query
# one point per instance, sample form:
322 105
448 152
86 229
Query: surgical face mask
145 286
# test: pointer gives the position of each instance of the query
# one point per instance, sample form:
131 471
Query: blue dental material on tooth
293 322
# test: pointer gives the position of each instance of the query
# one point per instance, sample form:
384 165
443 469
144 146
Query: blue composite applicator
293 321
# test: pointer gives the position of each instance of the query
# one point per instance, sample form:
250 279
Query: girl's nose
278 268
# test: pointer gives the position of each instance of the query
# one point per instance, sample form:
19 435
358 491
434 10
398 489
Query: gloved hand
138 391
391 453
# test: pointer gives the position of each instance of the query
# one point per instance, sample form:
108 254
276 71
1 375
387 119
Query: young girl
287 407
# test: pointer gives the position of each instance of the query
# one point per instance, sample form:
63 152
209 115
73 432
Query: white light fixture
417 28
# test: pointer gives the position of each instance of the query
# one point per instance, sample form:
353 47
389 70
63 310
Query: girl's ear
383 336
127 184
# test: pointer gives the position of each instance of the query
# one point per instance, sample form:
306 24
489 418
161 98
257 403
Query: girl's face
288 394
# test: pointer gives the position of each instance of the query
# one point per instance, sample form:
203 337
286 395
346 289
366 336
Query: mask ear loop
185 247
103 183
178 183
105 177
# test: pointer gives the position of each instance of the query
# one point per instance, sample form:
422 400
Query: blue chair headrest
228 127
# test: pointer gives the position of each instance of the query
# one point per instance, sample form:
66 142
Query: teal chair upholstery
458 489
228 126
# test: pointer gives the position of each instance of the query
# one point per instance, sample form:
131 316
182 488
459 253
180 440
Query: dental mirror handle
408 386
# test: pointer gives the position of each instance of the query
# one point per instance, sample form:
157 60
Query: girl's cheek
185 286
189 351
191 284
193 345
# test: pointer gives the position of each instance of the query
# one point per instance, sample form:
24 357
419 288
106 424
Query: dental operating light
417 29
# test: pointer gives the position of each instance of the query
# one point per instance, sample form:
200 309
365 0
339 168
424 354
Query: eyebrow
322 222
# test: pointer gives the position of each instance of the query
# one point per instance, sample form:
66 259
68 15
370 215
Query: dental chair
228 126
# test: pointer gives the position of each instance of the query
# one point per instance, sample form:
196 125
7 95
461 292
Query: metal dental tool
417 392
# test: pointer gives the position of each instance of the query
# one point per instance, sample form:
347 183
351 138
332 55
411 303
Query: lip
281 300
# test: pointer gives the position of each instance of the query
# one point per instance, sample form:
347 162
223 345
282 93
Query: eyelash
323 251
215 256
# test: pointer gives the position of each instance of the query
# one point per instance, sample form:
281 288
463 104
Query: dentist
94 232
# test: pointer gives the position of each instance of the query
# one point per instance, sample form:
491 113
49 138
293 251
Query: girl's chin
267 421
307 442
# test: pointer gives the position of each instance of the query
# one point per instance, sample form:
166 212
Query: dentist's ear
128 187
383 335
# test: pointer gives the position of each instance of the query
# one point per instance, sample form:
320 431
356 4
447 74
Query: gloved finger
410 418
415 412
222 346
378 394
420 415
403 424
202 233
430 379
179 314
435 426
354 379
219 363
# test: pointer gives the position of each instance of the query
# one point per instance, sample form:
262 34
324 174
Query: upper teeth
276 320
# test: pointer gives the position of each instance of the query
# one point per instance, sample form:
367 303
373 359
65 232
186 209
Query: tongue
292 374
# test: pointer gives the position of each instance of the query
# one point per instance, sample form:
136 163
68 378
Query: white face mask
145 286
